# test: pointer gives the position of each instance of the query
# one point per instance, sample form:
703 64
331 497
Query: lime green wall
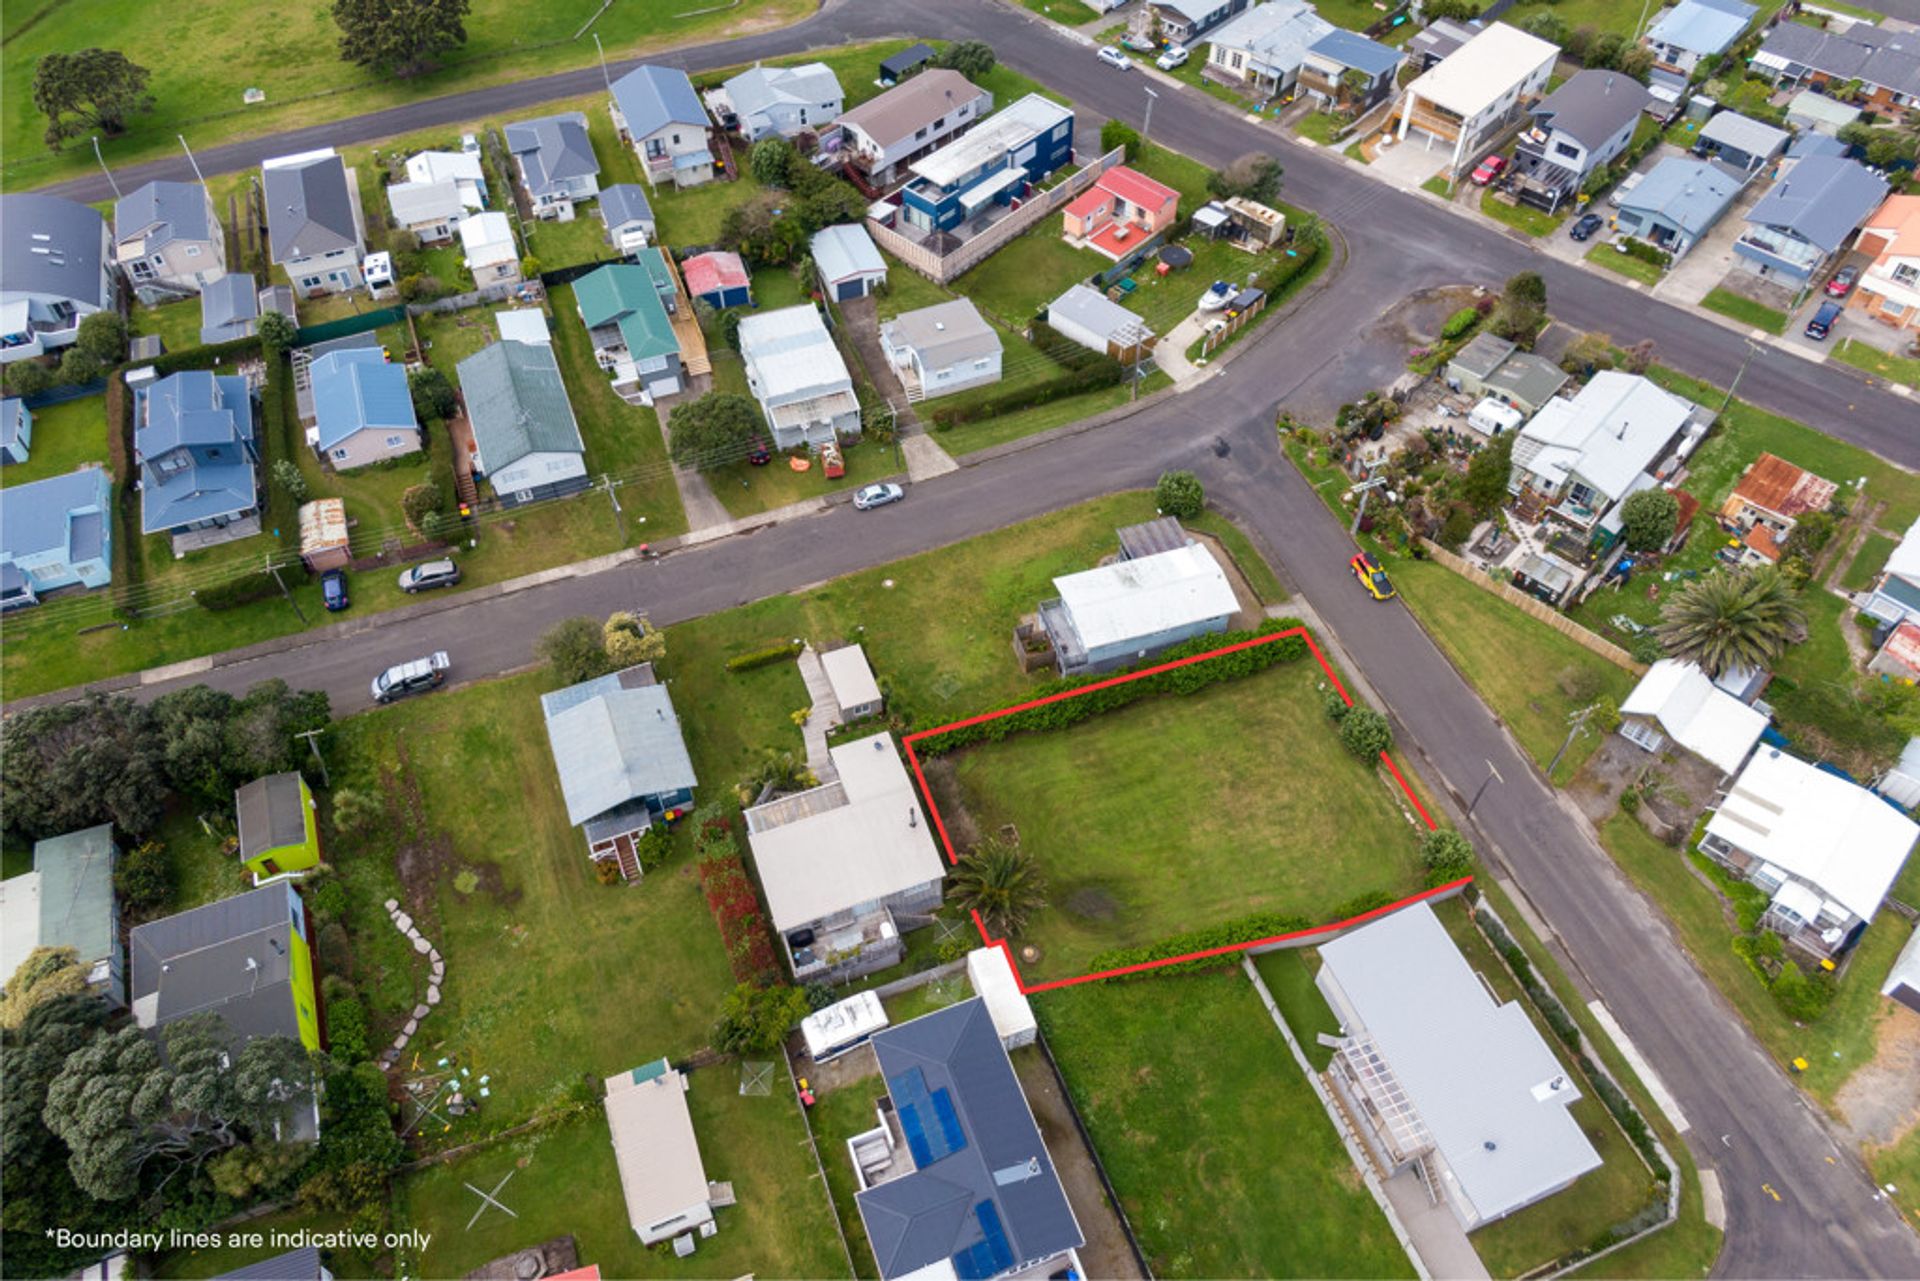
293 858
305 1004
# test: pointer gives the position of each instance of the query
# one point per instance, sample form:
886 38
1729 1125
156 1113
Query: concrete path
704 511
925 458
1170 353
1436 1234
826 715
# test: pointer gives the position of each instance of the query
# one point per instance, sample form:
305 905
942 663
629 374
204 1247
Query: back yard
64 437
1182 812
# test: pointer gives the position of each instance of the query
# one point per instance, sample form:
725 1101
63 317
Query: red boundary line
946 842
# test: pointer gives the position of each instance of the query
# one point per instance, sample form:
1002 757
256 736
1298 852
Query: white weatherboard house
1678 701
430 210
659 115
657 1152
1826 848
1466 102
783 102
556 162
1903 982
941 349
462 168
1896 596
56 269
315 229
1123 612
796 373
1585 454
841 862
1443 1076
168 240
486 241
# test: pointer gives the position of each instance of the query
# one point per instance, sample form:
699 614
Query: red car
1489 170
1842 281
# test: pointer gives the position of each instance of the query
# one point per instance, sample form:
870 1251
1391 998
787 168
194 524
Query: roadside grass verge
1605 255
1868 562
1525 218
1895 369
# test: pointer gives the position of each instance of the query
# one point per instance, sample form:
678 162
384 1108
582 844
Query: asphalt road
1748 1121
1905 10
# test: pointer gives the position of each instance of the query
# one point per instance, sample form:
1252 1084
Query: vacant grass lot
1179 812
566 1181
1221 1154
747 490
63 437
1834 1045
1745 310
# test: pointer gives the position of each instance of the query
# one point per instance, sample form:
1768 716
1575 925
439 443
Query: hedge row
258 585
129 568
1105 371
1190 679
279 424
172 362
763 657
1244 929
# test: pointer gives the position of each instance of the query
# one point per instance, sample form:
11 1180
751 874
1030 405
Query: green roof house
67 901
279 832
625 308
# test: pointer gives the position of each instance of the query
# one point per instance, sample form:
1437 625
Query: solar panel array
927 1118
989 1256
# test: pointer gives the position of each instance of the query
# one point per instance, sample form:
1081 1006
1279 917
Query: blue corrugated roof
1351 49
650 97
38 517
356 390
1690 194
204 421
1821 199
1702 26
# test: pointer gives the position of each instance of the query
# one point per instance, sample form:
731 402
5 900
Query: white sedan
877 496
1114 56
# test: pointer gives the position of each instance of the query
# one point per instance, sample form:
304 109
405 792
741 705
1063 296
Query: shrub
256 585
971 58
433 394
763 657
347 1029
329 899
607 871
287 477
1365 733
276 332
1082 372
419 502
744 930
143 879
756 1020
1335 706
1649 518
1217 939
630 639
575 649
1460 323
771 162
1118 133
27 378
1803 999
1179 494
1448 856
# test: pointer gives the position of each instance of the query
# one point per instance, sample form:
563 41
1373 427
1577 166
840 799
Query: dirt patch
423 856
1881 1101
1674 786
1091 903
944 783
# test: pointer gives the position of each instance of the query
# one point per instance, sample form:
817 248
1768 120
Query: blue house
1807 216
363 411
16 430
622 761
1678 202
56 533
193 441
998 160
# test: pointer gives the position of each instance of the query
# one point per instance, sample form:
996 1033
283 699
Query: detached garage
849 264
718 279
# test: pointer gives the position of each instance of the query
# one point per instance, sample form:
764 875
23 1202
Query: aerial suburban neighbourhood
1020 639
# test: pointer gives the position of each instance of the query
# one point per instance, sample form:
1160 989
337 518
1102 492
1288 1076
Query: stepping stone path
390 1057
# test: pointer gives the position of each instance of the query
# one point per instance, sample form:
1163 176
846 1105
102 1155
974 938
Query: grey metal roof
517 403
759 89
309 208
1094 311
229 308
846 251
623 203
944 333
13 414
615 739
1890 59
1744 134
1528 378
417 202
51 246
39 516
1351 49
1690 194
229 957
906 60
303 1264
1478 1074
988 1169
163 212
1815 144
1702 26
1483 354
651 98
76 891
1440 38
1149 538
273 814
1592 106
553 150
1822 199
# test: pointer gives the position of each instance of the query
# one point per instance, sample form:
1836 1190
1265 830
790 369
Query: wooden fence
1538 609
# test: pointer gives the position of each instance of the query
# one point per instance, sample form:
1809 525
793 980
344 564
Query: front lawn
1525 218
1223 1158
1605 255
1320 127
1868 562
63 437
1067 12
746 490
1181 812
1895 369
1836 1043
565 1181
1898 1165
1745 310
1439 186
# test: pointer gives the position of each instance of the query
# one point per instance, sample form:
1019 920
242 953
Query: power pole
1752 350
103 167
619 517
1575 723
275 571
1146 126
1365 489
313 741
604 75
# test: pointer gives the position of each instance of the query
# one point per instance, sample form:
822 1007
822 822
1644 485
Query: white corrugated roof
843 1022
486 239
1472 77
791 353
19 921
1817 826
849 676
1131 599
994 983
1473 1070
1618 424
1011 127
524 324
873 843
1708 722
1905 560
655 1147
1906 970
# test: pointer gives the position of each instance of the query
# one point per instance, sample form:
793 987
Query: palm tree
1740 618
1001 882
781 771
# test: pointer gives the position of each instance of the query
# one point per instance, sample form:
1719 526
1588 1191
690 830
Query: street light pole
604 75
1752 350
116 186
1493 775
1146 127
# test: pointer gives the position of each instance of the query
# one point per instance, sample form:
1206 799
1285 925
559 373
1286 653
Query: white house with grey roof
56 533
847 866
942 349
1584 455
1807 217
1677 702
847 261
658 114
1444 1078
1473 96
628 216
1741 142
462 168
432 210
168 241
1691 31
884 135
954 1179
56 269
782 102
1132 609
556 163
1678 202
315 228
622 761
526 443
796 373
1088 317
1263 48
1578 128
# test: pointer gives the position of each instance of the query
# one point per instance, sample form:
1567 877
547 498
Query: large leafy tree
37 1191
78 764
93 90
1254 176
1742 618
971 58
1485 486
399 36
755 1020
714 430
192 725
1001 882
261 736
1649 519
47 974
575 649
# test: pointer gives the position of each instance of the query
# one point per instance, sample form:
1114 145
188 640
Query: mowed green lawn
1223 1158
1181 812
565 1181
62 438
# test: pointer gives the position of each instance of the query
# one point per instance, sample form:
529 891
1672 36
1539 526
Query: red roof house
1121 209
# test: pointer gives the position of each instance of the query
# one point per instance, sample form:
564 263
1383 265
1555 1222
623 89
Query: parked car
1489 170
1372 577
1823 320
428 575
1114 56
1585 225
1175 56
878 496
417 677
1625 185
333 590
1842 281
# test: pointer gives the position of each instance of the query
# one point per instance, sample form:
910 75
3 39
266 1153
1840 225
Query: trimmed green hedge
763 657
1101 372
257 585
1245 929
173 362
1190 679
